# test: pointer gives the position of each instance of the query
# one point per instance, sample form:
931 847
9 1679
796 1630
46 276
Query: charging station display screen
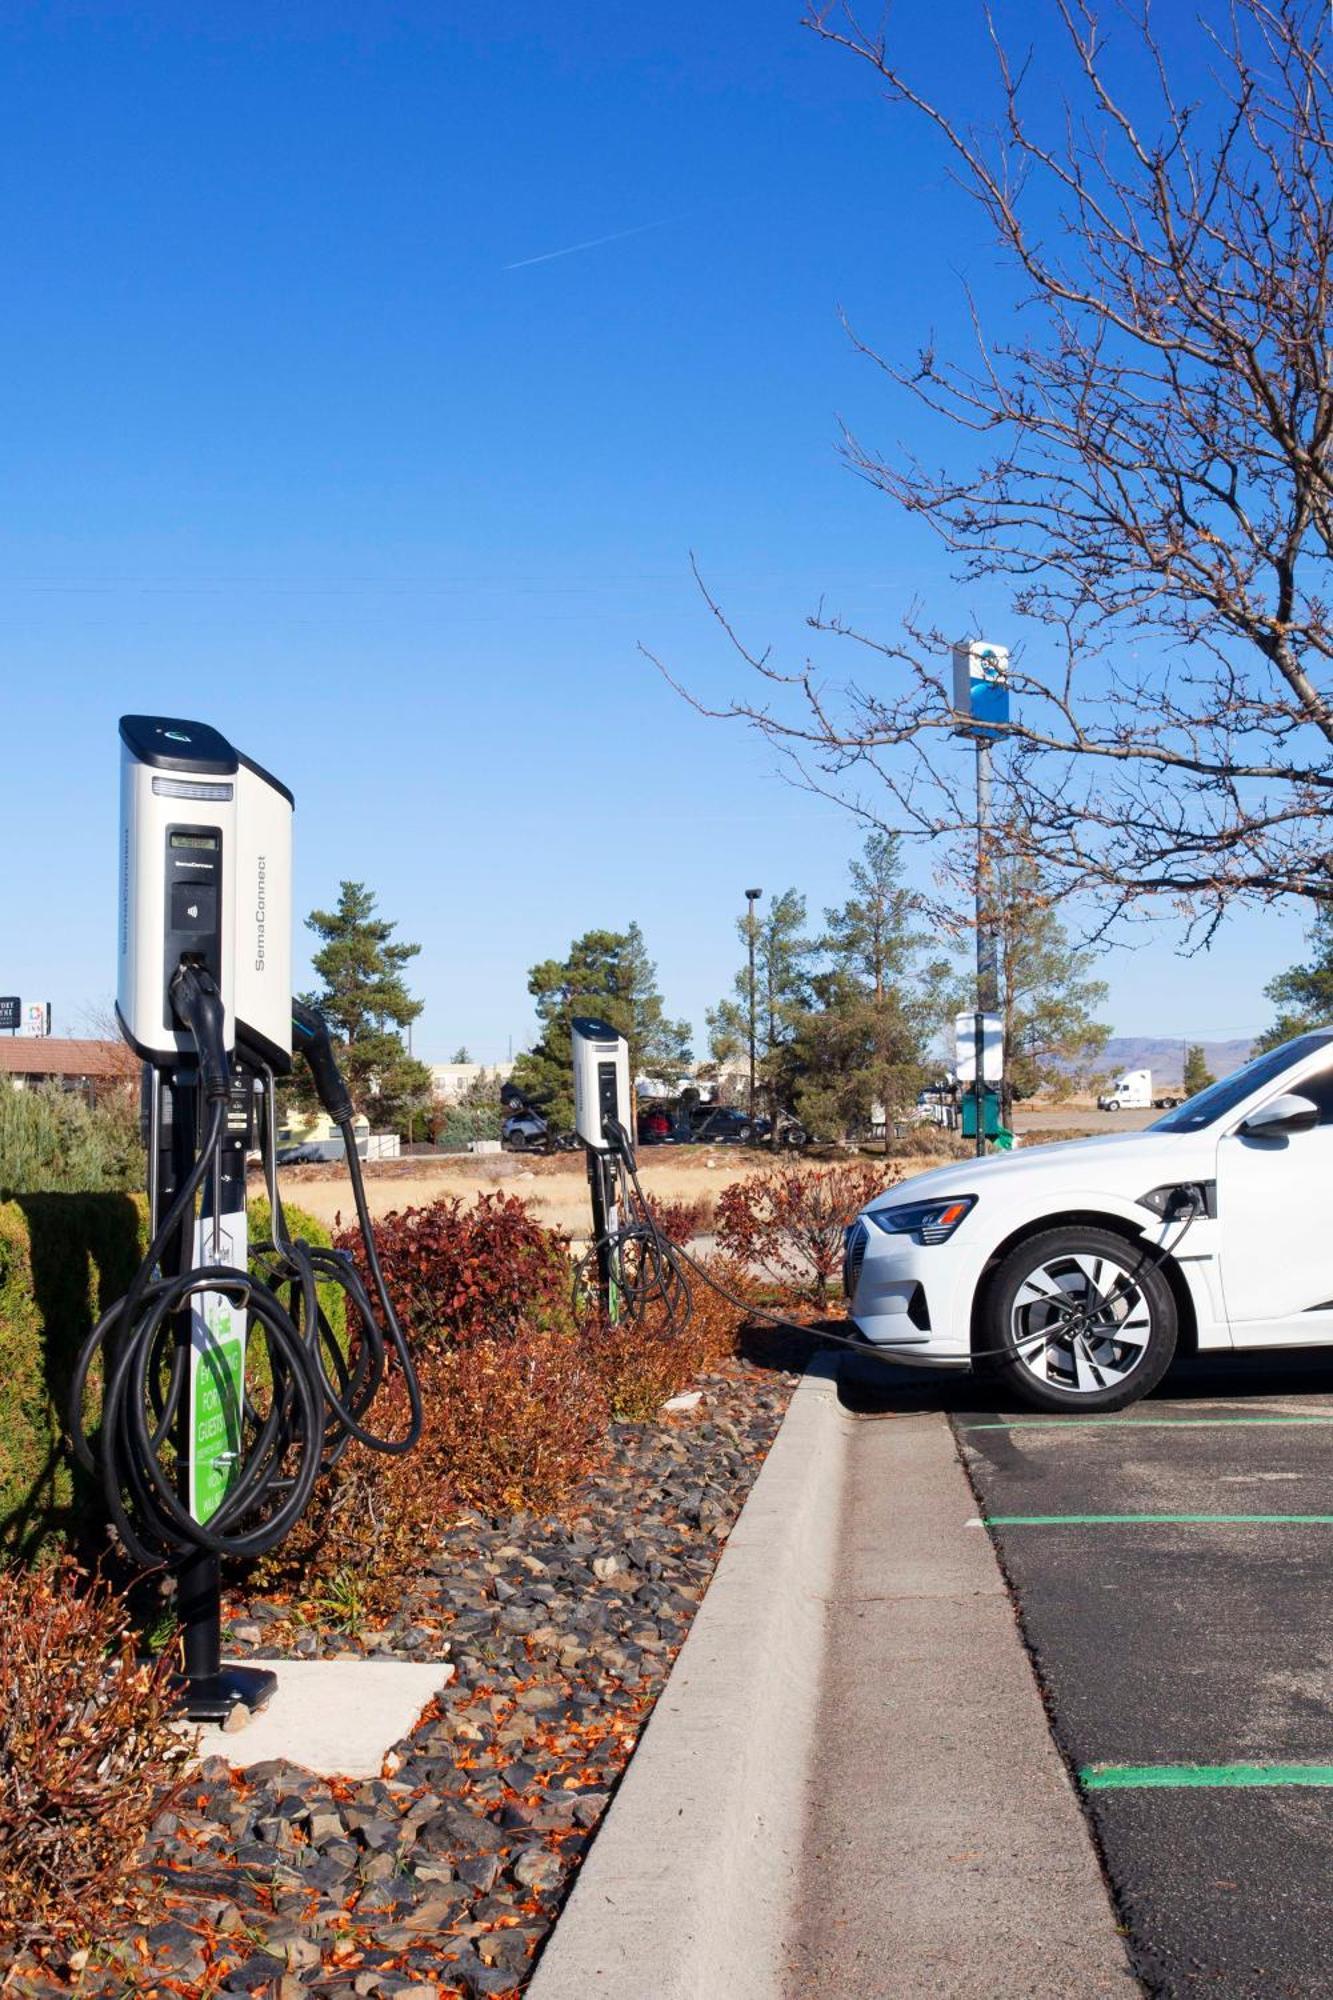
208 841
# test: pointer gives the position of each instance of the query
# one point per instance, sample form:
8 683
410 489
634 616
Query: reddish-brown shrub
518 1422
460 1271
509 1423
641 1364
88 1756
790 1218
679 1221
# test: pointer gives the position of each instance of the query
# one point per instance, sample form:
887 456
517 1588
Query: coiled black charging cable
317 1395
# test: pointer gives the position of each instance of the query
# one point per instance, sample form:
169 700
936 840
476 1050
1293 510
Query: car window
1209 1105
1319 1090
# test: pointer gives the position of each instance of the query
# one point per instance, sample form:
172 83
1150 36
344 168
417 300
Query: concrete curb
688 1890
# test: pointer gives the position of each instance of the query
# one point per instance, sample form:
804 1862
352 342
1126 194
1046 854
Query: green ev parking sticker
217 1385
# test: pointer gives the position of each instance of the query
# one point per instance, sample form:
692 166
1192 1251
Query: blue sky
301 441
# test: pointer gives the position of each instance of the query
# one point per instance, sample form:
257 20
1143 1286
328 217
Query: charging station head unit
601 1082
263 874
177 875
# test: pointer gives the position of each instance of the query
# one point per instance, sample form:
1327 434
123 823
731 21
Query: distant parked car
725 1125
654 1126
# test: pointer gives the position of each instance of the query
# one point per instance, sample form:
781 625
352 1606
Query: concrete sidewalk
848 1788
945 1851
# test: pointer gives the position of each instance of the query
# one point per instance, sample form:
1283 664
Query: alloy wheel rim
1081 1322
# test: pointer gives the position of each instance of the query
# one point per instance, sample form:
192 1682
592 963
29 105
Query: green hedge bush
52 1142
63 1259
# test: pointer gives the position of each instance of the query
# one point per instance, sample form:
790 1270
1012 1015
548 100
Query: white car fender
1028 1217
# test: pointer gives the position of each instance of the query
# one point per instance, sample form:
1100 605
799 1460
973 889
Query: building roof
54 1055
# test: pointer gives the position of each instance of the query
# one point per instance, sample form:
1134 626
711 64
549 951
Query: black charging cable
136 1449
644 1265
349 1379
317 1395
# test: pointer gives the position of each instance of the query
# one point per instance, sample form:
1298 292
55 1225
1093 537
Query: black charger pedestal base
211 1690
216 1697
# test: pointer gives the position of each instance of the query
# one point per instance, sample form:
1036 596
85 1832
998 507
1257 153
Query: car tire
1112 1295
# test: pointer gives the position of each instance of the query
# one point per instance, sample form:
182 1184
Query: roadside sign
37 1020
11 1011
965 1048
991 1126
981 686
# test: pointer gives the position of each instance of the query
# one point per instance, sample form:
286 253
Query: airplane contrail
593 243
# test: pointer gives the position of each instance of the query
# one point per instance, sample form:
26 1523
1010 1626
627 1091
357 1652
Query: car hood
1116 1163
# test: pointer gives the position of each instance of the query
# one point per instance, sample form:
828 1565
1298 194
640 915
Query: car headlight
932 1221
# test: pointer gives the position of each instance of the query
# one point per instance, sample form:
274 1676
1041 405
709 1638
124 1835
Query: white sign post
965 1048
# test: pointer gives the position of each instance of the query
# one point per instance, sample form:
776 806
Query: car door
1275 1226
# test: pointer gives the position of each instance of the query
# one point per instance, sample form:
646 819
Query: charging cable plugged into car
630 1266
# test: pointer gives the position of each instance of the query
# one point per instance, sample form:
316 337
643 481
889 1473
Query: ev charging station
603 1120
222 1400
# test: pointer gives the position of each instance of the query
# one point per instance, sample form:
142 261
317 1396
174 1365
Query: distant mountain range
1166 1058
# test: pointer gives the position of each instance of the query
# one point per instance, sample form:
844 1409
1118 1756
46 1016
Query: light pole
751 898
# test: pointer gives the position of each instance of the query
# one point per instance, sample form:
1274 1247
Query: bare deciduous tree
1146 469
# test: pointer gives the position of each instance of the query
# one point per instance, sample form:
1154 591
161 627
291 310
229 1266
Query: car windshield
1219 1098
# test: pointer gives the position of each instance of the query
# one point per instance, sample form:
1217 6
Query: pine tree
1197 1075
609 975
1304 994
863 1049
366 1002
783 956
1051 1039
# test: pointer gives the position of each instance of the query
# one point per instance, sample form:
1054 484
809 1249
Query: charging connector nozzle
310 1034
197 1005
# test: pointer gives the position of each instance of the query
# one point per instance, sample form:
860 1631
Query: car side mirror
1289 1113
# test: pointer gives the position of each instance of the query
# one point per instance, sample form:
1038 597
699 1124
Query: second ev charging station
224 1394
603 1111
635 1265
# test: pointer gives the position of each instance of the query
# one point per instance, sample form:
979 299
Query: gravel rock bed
445 1874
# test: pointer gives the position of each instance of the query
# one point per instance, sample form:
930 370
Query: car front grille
853 1257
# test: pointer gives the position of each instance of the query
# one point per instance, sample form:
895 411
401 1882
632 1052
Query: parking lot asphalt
1172 1569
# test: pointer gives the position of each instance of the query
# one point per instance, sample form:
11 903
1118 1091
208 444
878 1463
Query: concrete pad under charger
334 1717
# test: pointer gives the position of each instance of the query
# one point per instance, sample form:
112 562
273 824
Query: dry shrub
459 1271
88 1756
790 1218
640 1364
932 1142
679 1221
518 1421
509 1424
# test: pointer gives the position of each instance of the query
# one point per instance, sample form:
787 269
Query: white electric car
1076 1269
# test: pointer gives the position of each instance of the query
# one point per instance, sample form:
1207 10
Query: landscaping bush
640 1365
53 1142
679 1221
790 1218
510 1423
458 1272
456 1128
88 1757
927 1141
63 1259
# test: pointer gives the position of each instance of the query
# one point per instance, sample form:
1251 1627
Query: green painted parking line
1159 1520
1148 1777
1137 1423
